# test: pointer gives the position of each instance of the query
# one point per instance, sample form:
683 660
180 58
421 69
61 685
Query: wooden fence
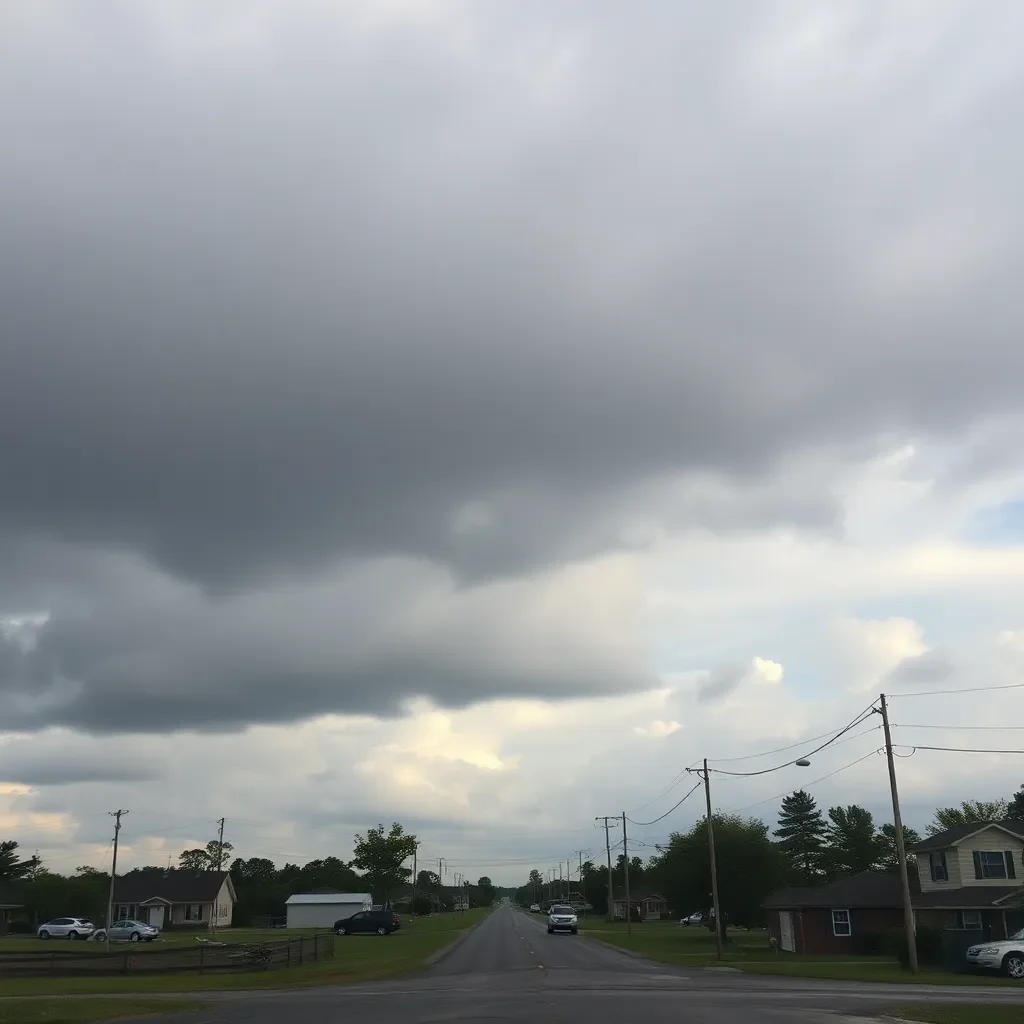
202 958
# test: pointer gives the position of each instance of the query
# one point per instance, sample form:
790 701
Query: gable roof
174 886
868 889
958 833
327 898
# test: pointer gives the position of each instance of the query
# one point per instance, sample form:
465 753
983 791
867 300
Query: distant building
322 909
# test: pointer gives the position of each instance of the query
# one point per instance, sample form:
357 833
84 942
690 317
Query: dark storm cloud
283 285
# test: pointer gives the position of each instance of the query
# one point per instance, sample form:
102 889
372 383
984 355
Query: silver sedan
129 931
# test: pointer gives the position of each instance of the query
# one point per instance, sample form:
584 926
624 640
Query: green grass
167 940
76 1011
749 951
952 1013
356 958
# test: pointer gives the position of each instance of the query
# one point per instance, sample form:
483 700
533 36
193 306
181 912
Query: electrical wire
955 728
806 785
969 689
667 813
842 732
672 785
969 750
777 750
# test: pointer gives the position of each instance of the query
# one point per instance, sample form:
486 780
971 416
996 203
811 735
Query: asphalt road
509 969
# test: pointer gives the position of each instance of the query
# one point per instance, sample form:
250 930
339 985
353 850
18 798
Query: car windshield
1018 935
561 910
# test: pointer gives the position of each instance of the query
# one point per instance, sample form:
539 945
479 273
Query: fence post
289 952
201 959
316 946
302 942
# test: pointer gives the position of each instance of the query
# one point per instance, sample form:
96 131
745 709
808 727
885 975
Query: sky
473 415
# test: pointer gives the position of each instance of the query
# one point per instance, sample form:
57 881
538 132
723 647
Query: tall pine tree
801 835
853 844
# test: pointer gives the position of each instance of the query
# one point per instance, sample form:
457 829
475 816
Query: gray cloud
934 666
287 289
722 681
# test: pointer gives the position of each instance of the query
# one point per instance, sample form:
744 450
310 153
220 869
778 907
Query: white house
322 909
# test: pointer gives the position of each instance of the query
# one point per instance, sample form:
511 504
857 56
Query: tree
801 834
193 860
254 871
381 856
888 860
1015 808
967 813
216 854
12 866
484 891
852 844
750 866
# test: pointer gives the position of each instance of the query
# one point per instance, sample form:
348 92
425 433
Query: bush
871 944
929 947
421 906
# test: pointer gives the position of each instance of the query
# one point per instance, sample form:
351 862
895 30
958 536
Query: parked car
534 908
562 919
368 922
67 928
128 931
1005 955
695 918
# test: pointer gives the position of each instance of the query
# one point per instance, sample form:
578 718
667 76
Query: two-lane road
509 969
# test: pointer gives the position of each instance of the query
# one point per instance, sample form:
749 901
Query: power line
672 785
842 732
777 750
806 785
969 689
955 728
969 750
668 812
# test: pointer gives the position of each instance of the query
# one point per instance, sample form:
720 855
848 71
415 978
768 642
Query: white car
1005 955
562 918
67 928
129 931
695 918
534 908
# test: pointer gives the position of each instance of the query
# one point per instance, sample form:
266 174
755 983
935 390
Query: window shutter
1010 873
977 865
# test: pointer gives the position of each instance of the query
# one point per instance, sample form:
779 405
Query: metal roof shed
322 909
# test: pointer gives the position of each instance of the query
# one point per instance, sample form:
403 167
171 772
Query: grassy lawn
75 1011
938 1013
749 951
356 958
167 940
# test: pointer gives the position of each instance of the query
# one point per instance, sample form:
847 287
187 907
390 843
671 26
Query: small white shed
322 909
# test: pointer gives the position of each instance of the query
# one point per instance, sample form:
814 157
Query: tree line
379 865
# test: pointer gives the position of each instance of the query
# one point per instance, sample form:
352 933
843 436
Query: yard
80 1011
953 1013
356 958
749 951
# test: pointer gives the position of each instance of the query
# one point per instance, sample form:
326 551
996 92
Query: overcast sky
472 414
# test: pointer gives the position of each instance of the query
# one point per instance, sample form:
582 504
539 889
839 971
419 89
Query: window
967 921
994 864
940 873
126 911
193 912
841 922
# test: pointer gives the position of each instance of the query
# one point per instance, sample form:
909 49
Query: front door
786 930
156 916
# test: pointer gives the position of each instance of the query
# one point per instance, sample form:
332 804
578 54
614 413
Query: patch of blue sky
998 524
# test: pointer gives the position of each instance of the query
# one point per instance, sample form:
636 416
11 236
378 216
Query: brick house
830 918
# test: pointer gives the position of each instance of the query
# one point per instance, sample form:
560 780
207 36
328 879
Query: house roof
174 886
326 898
958 833
635 895
868 889
967 897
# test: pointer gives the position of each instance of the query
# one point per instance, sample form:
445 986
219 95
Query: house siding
225 905
319 915
812 927
924 871
993 840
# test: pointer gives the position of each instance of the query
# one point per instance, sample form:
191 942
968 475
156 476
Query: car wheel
339 931
44 934
382 931
136 936
551 931
1013 965
72 936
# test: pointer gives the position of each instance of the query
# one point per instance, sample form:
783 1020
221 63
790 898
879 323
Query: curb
439 954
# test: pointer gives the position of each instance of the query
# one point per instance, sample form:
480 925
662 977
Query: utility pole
582 889
116 815
625 868
901 853
220 859
608 852
415 851
714 864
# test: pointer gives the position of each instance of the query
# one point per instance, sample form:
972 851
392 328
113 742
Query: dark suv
366 922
